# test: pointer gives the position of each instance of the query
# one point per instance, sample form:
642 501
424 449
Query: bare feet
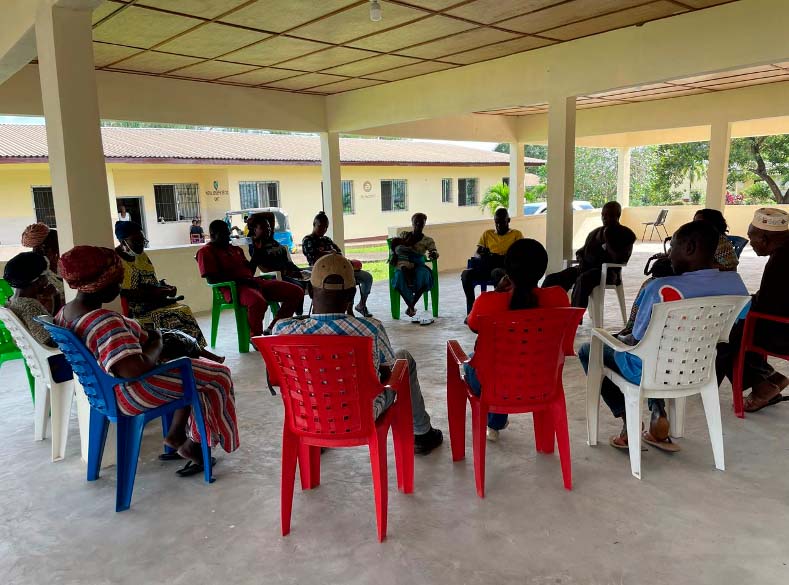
779 380
410 311
204 353
191 450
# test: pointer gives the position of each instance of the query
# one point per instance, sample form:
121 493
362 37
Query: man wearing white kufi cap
769 236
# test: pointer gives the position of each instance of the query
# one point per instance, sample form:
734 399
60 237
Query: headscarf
126 229
24 268
90 269
34 235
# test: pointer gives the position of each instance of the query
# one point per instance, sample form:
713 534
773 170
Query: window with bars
177 201
446 190
348 207
44 206
394 195
467 192
259 194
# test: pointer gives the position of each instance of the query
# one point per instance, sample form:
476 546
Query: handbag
658 265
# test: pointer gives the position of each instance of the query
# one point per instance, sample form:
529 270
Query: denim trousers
496 421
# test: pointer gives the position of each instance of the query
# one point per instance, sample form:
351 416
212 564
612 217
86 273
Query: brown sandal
620 441
666 444
761 396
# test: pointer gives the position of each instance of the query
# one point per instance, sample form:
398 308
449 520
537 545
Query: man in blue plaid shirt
332 286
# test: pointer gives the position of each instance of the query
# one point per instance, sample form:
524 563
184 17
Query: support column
332 186
71 109
561 181
623 177
517 178
718 168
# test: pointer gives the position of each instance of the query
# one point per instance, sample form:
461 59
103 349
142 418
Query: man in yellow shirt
492 246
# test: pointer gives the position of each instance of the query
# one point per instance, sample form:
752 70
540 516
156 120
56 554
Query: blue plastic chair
99 389
739 243
482 284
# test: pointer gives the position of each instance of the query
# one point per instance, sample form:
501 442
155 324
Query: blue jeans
495 421
610 392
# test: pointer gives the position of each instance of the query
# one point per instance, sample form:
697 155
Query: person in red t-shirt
525 264
219 261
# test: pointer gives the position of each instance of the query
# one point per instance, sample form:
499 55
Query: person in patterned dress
126 350
412 277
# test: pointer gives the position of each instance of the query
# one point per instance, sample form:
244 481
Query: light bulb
375 10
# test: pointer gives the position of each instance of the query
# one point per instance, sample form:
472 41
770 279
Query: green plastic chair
394 296
8 349
242 323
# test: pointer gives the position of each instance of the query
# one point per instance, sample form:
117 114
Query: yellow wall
16 198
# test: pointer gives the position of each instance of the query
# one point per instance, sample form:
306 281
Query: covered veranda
467 81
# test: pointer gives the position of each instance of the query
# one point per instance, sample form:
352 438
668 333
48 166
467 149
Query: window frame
178 203
261 188
352 200
391 195
446 190
465 201
41 218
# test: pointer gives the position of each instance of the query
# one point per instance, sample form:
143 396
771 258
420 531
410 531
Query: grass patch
382 248
379 269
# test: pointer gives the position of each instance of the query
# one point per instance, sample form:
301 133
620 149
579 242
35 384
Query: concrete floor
684 522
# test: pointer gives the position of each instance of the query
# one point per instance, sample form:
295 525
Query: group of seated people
157 327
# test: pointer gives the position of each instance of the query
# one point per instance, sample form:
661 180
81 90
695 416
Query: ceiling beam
671 48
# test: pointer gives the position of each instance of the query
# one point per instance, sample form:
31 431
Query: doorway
135 208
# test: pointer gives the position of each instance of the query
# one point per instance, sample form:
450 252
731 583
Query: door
134 207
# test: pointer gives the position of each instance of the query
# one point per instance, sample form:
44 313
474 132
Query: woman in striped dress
124 349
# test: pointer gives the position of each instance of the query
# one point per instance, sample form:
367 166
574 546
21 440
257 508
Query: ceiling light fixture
375 10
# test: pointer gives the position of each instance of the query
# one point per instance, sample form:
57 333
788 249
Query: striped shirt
342 324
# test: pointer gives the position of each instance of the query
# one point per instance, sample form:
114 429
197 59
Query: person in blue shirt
692 255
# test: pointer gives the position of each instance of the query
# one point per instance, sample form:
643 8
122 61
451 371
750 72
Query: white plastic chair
677 354
53 400
597 298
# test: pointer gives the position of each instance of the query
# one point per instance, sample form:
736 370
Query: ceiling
332 46
714 82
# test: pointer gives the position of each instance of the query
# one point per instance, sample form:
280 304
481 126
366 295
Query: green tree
764 159
678 162
496 196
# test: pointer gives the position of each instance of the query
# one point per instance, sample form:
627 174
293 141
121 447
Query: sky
40 120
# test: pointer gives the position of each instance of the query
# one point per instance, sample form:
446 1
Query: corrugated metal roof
18 141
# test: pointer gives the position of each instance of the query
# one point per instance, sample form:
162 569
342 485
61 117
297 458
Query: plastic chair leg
31 381
544 432
380 487
403 440
41 410
736 385
394 301
215 311
309 466
479 420
167 420
676 417
434 298
99 424
620 293
633 402
129 441
290 453
594 381
712 410
205 443
562 432
61 397
242 328
456 412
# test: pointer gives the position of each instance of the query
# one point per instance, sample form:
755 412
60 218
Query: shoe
492 435
426 320
424 444
267 331
362 310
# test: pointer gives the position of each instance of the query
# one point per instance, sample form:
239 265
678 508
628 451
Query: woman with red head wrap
124 349
44 242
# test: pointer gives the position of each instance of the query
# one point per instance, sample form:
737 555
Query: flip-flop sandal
668 445
625 447
191 468
174 456
756 404
776 399
426 321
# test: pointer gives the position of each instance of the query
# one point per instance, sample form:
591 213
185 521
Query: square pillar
623 177
517 178
332 186
561 181
718 168
71 109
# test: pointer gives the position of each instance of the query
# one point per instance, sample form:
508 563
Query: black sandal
191 468
172 456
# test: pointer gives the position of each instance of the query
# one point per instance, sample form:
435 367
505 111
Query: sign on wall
216 193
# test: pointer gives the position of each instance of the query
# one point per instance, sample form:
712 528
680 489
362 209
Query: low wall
177 266
457 241
737 216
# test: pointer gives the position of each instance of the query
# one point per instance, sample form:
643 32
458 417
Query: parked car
282 231
538 208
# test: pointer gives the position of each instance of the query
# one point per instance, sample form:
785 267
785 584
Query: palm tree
496 196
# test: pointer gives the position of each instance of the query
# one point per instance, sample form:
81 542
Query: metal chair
658 223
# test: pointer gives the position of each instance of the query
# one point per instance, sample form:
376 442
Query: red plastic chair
328 384
748 345
519 358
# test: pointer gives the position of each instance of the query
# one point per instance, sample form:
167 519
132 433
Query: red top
493 303
229 263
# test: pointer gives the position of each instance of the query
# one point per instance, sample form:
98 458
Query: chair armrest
457 353
756 316
611 341
229 284
398 377
179 363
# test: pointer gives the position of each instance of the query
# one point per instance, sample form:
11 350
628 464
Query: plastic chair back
327 383
738 243
520 354
6 292
678 349
34 353
97 384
